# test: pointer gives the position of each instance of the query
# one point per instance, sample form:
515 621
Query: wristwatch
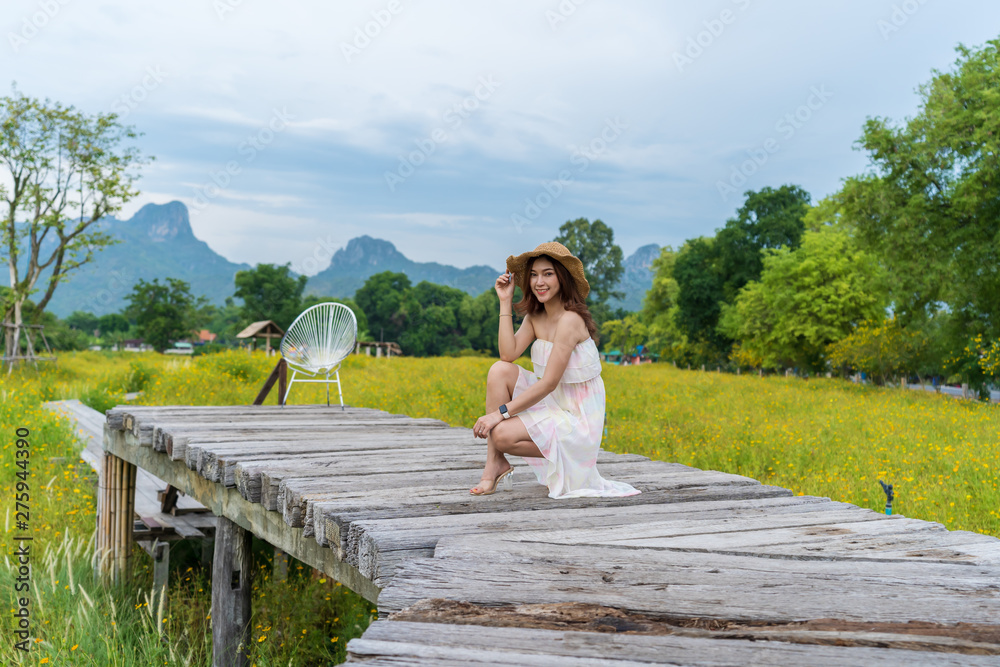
503 411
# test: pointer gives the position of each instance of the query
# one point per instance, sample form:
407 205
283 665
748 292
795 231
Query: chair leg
327 390
340 390
288 389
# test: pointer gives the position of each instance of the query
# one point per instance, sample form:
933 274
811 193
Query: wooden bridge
703 568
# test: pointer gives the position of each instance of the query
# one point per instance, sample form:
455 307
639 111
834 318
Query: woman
554 417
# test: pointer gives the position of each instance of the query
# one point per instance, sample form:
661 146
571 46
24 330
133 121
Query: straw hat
557 251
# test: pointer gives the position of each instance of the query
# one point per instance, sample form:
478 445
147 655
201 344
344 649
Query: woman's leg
511 437
499 390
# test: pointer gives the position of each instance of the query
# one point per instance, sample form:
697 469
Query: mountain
637 277
364 256
156 242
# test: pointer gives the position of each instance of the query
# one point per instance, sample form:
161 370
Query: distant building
204 336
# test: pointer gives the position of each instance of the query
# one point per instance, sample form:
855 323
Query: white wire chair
316 344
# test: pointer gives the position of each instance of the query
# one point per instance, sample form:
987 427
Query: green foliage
976 363
594 244
163 313
270 292
85 322
388 302
113 323
699 283
428 319
805 300
625 334
882 349
928 209
62 170
660 310
768 220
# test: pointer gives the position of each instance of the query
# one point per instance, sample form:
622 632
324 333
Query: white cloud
225 74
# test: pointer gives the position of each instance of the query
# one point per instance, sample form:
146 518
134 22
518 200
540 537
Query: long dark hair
571 300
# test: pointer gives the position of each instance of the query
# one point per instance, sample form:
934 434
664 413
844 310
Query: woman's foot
492 475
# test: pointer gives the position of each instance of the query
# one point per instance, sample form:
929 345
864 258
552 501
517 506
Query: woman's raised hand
505 286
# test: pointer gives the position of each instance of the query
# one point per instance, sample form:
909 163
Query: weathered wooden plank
334 482
213 462
408 643
166 432
177 441
306 441
684 584
246 473
294 495
332 519
377 547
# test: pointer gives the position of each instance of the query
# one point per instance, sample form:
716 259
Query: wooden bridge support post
161 568
231 582
115 516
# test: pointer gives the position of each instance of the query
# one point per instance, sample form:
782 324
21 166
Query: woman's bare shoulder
571 327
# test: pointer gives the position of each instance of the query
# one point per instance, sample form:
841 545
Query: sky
465 131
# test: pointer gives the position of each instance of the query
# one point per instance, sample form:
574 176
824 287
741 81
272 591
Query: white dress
567 425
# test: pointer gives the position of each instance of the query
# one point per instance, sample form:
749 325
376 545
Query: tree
112 323
270 292
163 312
478 318
768 220
83 321
388 301
805 300
435 330
625 334
62 171
594 245
882 349
928 207
699 282
660 310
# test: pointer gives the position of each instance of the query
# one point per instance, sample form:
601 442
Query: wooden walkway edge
703 568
